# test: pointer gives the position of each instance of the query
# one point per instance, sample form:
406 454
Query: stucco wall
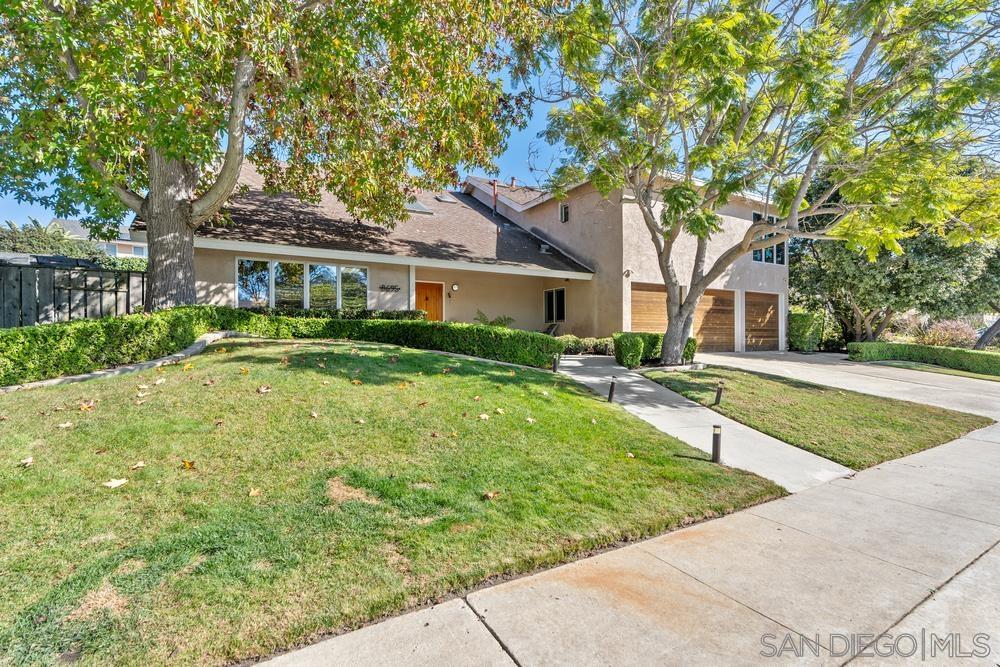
519 297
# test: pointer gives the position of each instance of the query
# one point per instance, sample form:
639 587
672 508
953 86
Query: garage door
761 321
713 321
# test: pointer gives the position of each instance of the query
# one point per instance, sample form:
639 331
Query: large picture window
262 283
253 283
555 305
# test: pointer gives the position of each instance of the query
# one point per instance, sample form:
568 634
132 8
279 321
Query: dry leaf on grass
24 463
326 382
160 381
402 385
187 465
313 414
244 370
264 389
87 406
593 421
356 382
531 420
208 383
254 493
484 417
188 366
140 401
501 411
218 423
629 455
435 434
477 398
142 394
115 483
142 387
137 465
65 425
490 495
421 404
359 421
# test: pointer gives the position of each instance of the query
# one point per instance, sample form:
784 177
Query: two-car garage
715 318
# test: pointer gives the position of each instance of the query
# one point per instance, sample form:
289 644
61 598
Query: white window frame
305 288
774 248
564 212
555 311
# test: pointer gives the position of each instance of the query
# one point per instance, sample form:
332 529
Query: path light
718 392
717 443
555 363
611 390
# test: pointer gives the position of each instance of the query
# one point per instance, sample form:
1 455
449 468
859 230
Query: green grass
855 430
931 368
188 566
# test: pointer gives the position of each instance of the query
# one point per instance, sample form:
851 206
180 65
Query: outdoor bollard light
555 363
717 444
718 392
611 390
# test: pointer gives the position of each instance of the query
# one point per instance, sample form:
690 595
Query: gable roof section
464 232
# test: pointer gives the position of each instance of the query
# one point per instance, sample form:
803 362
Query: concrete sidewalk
742 447
909 546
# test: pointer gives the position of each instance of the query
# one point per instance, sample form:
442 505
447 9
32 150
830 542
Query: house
124 245
583 263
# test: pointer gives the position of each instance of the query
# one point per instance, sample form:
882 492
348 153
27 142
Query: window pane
560 305
758 255
549 306
252 283
779 253
322 286
769 255
289 289
354 288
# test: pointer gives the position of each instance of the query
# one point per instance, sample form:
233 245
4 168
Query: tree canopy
687 105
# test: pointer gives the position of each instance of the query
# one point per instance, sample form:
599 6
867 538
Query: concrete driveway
980 397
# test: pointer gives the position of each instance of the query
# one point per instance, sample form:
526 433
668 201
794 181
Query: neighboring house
584 263
123 245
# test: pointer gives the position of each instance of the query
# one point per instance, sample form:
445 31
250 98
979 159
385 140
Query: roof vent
416 207
446 198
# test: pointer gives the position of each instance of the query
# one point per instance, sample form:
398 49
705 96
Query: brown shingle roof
465 231
519 194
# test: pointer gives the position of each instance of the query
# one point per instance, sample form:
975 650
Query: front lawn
277 491
855 430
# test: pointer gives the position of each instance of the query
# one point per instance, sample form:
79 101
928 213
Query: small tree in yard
865 295
687 104
114 107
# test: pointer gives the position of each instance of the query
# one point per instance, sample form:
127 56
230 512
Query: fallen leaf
160 369
356 381
283 361
264 389
313 414
187 465
87 406
484 417
142 394
160 381
137 465
435 434
115 483
545 393
254 493
326 382
629 455
421 404
320 364
244 370
359 421
188 366
531 420
477 398
501 411
593 421
402 385
355 350
221 350
140 401
100 451
66 425
490 495
218 423
446 370
454 434
143 387
24 463
4 418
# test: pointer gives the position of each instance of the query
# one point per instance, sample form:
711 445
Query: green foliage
589 345
36 239
135 264
498 321
51 350
343 313
805 331
635 348
974 361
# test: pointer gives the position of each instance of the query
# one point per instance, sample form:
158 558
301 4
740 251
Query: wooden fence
40 294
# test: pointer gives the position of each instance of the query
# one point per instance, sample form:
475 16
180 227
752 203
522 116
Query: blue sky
514 162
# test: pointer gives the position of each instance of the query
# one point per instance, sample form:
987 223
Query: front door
430 297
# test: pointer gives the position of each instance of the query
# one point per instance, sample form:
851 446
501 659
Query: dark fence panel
32 295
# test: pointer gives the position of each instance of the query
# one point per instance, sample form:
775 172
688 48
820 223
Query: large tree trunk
170 233
679 323
991 332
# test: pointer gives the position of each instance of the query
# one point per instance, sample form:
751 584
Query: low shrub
948 333
805 331
974 361
69 348
641 347
343 313
576 345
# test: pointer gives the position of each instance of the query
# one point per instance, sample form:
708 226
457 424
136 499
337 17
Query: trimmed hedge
576 345
70 348
634 348
805 331
974 361
343 313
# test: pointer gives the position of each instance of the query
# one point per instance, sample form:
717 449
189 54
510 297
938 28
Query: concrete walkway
908 547
742 447
954 392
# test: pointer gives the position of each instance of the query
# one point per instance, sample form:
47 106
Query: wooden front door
430 297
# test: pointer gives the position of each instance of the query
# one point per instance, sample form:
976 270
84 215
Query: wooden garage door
761 321
713 321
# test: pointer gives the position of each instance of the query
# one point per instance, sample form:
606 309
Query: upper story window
555 305
773 254
564 213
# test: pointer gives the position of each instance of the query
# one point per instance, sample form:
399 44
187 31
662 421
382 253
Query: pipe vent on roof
545 249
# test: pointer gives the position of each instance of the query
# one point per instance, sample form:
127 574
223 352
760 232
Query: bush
69 348
805 331
589 345
134 264
974 361
343 313
948 333
640 347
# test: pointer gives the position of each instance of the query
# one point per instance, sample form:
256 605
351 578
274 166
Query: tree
983 296
37 239
865 295
118 107
687 104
